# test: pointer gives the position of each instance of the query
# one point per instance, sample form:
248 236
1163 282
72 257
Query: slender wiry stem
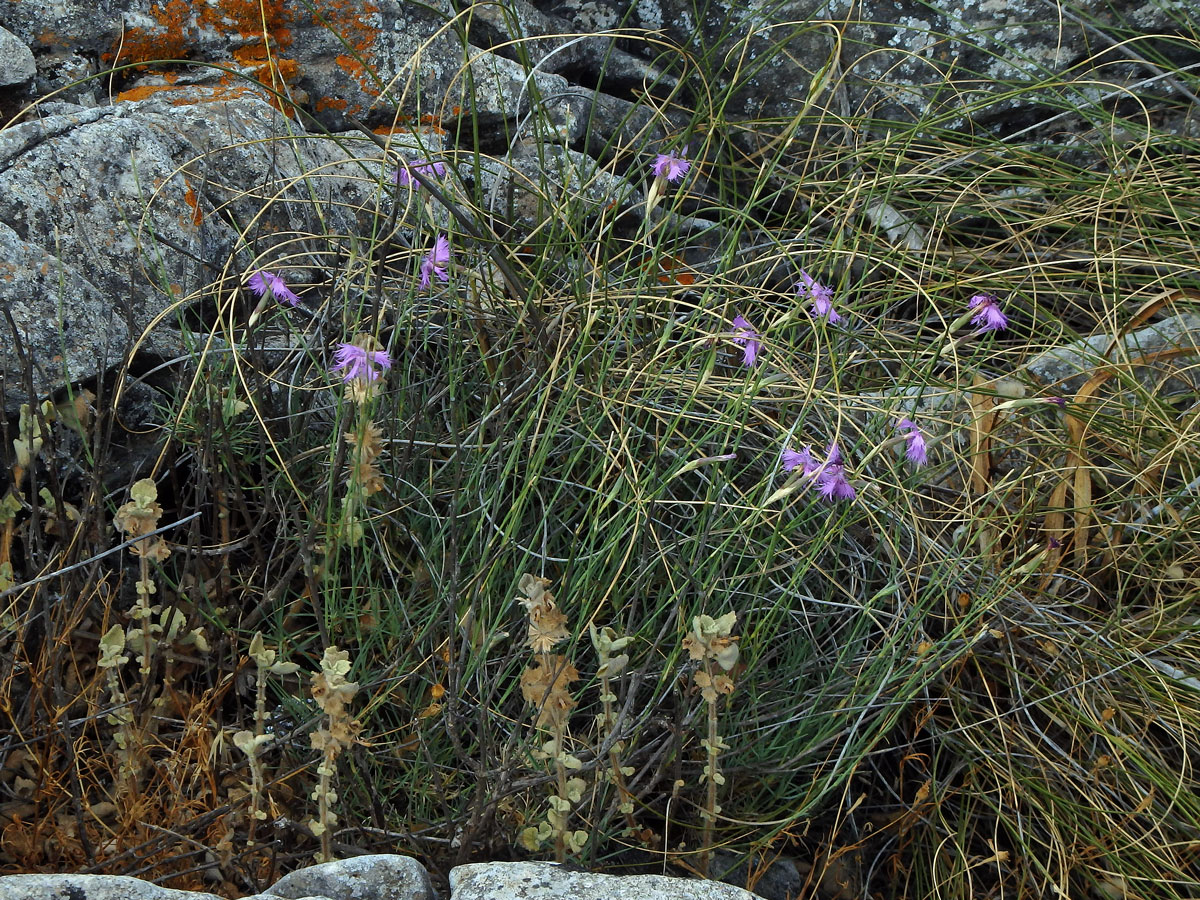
708 814
625 798
560 775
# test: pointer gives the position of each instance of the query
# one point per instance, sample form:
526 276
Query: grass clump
805 379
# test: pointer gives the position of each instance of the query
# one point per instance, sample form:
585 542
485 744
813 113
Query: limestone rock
903 56
16 59
371 61
108 222
546 881
381 876
49 25
1064 370
89 887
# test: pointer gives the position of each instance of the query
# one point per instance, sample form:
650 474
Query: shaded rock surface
909 61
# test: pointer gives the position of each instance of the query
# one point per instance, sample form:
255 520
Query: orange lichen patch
357 70
224 90
337 103
178 24
288 69
234 85
352 20
251 55
193 201
228 88
251 18
269 70
355 24
433 124
176 27
141 92
47 38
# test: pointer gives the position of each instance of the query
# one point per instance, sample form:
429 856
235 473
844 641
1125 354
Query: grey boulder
90 887
16 60
546 881
382 876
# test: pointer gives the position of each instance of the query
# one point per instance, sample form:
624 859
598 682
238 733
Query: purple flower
822 298
671 166
915 451
360 363
262 281
403 175
745 336
793 459
436 261
832 482
830 473
987 313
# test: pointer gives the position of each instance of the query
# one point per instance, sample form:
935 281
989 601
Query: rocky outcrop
142 203
950 64
161 184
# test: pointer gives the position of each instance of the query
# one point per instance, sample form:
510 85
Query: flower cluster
808 288
359 365
438 258
829 473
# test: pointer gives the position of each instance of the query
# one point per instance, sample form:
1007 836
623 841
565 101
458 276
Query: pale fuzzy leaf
576 841
144 492
112 645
